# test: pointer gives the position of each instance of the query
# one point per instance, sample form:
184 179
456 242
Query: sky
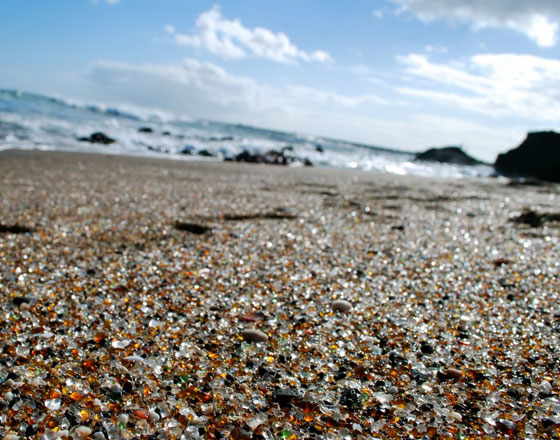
404 74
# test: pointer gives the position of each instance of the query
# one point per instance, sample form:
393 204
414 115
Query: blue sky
406 74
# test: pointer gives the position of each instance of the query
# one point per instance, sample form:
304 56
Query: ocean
36 122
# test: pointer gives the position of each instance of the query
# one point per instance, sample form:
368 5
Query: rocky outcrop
452 155
97 138
272 157
538 156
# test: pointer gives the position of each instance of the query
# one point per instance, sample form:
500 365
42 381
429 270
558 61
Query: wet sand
164 299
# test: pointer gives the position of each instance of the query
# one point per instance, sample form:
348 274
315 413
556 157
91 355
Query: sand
147 298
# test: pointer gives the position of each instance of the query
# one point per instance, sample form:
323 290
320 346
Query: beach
153 298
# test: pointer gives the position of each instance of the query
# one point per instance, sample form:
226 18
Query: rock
451 374
538 156
145 130
271 157
350 398
342 305
535 219
452 155
426 348
81 431
187 150
97 138
14 229
319 148
206 153
240 434
285 396
254 335
193 228
19 300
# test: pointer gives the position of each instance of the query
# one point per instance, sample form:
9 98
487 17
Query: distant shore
156 297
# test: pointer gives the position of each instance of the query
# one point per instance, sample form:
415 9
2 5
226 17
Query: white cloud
322 97
230 39
510 85
537 19
435 49
201 89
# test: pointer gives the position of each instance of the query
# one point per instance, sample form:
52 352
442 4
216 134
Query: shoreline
226 300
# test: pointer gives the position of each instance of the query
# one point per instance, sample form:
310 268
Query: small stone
122 419
284 396
240 434
193 228
342 305
254 335
81 432
545 387
350 398
426 348
453 373
154 416
19 300
53 404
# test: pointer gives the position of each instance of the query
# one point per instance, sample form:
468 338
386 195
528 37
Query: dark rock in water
193 228
271 157
14 229
319 148
159 149
145 130
220 139
166 133
538 156
187 150
206 153
452 155
97 138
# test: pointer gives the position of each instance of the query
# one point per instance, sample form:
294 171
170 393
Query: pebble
154 416
122 419
81 432
453 373
254 335
545 387
427 348
240 434
350 398
342 305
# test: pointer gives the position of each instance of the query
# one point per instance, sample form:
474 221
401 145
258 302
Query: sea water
37 122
